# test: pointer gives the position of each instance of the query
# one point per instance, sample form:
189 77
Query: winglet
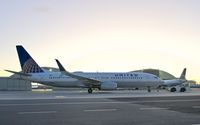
82 78
61 68
183 74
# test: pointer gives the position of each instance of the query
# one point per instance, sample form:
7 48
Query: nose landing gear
90 90
149 89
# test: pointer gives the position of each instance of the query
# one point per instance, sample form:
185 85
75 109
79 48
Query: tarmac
77 107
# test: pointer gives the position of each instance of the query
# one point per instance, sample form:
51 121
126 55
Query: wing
87 81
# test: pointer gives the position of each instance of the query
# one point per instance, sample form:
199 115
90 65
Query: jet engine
108 86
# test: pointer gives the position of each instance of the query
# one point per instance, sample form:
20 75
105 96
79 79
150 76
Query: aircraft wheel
90 90
182 89
148 89
173 89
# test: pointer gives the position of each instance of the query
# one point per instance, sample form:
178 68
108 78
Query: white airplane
172 83
103 81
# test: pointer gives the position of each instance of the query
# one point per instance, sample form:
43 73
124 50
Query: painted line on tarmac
196 107
154 108
64 103
60 97
41 112
112 102
173 100
69 95
99 110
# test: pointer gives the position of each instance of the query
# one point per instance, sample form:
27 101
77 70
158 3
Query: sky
103 35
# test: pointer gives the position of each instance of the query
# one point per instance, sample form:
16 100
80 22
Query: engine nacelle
108 86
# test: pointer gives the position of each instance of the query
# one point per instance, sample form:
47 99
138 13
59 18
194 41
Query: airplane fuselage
123 80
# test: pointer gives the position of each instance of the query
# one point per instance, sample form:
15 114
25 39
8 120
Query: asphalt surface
66 109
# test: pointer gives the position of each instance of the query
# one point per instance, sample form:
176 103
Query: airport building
12 84
160 73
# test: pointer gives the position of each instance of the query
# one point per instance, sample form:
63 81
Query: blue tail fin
28 64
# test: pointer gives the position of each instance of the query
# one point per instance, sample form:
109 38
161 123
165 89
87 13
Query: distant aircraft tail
183 74
28 64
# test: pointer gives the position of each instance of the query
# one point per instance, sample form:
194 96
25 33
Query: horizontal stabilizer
18 73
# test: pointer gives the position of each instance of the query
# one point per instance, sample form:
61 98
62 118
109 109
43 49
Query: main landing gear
90 90
149 89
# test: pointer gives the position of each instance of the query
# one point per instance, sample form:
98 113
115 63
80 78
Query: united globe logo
30 66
